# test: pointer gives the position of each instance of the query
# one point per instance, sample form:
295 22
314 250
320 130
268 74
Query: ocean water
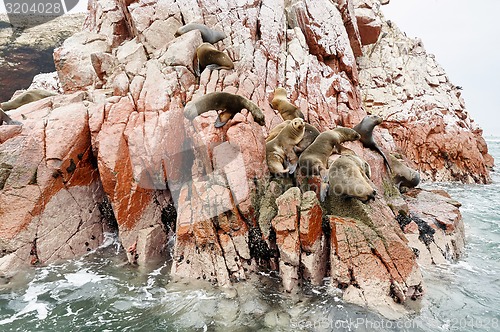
99 293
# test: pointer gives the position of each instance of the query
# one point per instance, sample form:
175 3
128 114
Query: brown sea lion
25 98
347 177
314 159
287 110
365 129
310 134
208 35
403 176
279 150
210 57
228 103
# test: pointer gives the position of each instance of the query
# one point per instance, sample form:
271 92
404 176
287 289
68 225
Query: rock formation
423 111
115 151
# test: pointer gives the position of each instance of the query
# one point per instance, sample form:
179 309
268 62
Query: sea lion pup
210 57
229 103
310 134
25 98
208 35
365 129
403 176
347 177
314 159
287 110
279 150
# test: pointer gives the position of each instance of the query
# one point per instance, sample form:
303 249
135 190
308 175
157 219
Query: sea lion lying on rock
208 35
348 177
314 159
279 150
25 98
310 134
210 57
365 129
228 103
403 176
287 110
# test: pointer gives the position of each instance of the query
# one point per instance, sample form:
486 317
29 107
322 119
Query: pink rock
312 240
286 226
51 194
73 61
441 213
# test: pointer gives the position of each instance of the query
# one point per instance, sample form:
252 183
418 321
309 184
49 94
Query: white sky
464 37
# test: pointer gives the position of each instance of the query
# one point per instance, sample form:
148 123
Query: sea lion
279 150
229 103
347 177
403 176
287 110
365 129
208 35
210 57
314 159
310 134
25 98
5 118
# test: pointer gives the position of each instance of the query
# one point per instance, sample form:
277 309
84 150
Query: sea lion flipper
214 66
196 65
222 119
386 162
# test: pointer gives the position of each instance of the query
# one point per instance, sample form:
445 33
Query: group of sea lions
207 55
296 144
291 144
227 104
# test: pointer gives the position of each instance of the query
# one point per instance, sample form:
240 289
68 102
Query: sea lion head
348 133
279 93
190 110
376 120
258 116
298 124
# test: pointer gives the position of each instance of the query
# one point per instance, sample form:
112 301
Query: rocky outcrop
117 151
52 201
433 226
423 111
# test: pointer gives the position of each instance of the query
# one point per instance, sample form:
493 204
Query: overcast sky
464 37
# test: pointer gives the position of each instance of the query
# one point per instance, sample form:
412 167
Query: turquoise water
99 293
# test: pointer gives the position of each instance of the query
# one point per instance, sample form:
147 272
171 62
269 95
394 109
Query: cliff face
116 151
423 111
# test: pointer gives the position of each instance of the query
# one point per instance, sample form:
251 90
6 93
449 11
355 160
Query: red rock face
423 111
125 146
51 194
